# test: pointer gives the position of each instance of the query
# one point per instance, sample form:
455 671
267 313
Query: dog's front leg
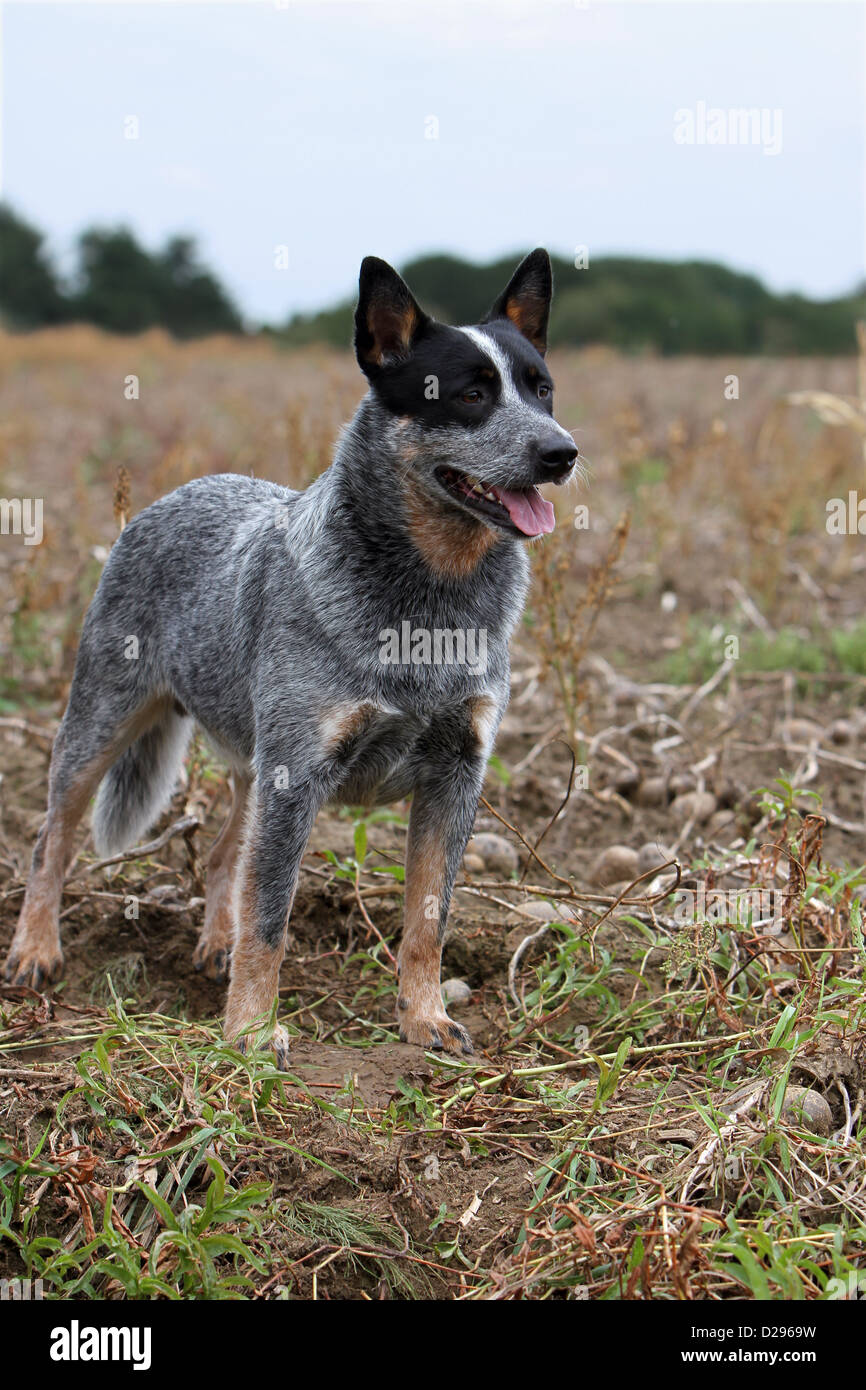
279 822
440 823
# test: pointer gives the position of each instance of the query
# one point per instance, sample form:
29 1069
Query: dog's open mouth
520 509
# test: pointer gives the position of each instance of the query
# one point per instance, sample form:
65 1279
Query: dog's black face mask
473 407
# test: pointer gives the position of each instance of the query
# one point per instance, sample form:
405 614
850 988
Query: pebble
651 856
626 781
653 791
681 783
496 853
454 993
842 731
473 863
800 731
809 1108
697 805
719 822
617 863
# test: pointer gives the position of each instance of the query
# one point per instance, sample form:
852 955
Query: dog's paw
438 1033
279 1043
33 966
212 962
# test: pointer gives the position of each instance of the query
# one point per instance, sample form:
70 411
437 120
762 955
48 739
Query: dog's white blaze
510 394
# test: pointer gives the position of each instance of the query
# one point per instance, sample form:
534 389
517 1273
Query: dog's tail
137 788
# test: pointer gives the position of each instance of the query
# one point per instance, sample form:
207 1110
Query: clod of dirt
809 1108
455 992
696 806
374 1073
653 791
618 862
497 854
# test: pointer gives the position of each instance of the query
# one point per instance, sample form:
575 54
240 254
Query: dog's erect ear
388 319
526 299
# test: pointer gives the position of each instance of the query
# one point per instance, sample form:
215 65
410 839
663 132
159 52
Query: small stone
727 793
621 887
842 731
454 993
800 731
651 856
719 822
808 1108
681 783
497 853
626 781
653 791
697 806
473 863
617 863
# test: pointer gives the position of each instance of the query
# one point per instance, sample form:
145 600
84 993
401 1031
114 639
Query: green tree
119 282
125 289
29 292
192 302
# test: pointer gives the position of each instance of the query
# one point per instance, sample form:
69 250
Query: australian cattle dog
346 644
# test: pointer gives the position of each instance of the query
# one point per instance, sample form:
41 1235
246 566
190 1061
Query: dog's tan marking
482 720
526 312
448 542
391 327
215 940
343 722
420 1013
255 966
35 956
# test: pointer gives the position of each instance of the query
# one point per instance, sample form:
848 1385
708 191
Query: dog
298 630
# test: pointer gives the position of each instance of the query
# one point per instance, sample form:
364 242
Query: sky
291 139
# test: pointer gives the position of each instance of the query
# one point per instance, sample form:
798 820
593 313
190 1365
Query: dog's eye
544 390
471 397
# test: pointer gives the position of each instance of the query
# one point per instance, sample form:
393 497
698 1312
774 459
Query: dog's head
473 407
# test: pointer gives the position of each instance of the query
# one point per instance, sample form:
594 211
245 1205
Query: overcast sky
305 125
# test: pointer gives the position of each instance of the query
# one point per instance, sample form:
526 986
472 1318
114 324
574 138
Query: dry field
667 1097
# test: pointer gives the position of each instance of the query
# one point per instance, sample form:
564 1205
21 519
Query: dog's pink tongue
529 511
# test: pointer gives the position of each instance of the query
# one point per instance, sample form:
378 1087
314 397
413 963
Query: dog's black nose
557 459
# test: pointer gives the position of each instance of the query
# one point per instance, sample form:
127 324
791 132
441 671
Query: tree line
626 302
117 284
630 303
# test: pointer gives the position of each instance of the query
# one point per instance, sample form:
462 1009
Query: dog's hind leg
215 941
83 752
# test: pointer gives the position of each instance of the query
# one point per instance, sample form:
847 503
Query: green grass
839 651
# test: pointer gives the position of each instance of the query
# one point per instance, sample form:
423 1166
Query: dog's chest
376 751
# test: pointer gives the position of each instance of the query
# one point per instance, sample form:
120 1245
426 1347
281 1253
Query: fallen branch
185 826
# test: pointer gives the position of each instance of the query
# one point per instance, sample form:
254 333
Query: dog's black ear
525 301
388 319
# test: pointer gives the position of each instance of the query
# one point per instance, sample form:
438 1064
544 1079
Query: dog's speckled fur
257 613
